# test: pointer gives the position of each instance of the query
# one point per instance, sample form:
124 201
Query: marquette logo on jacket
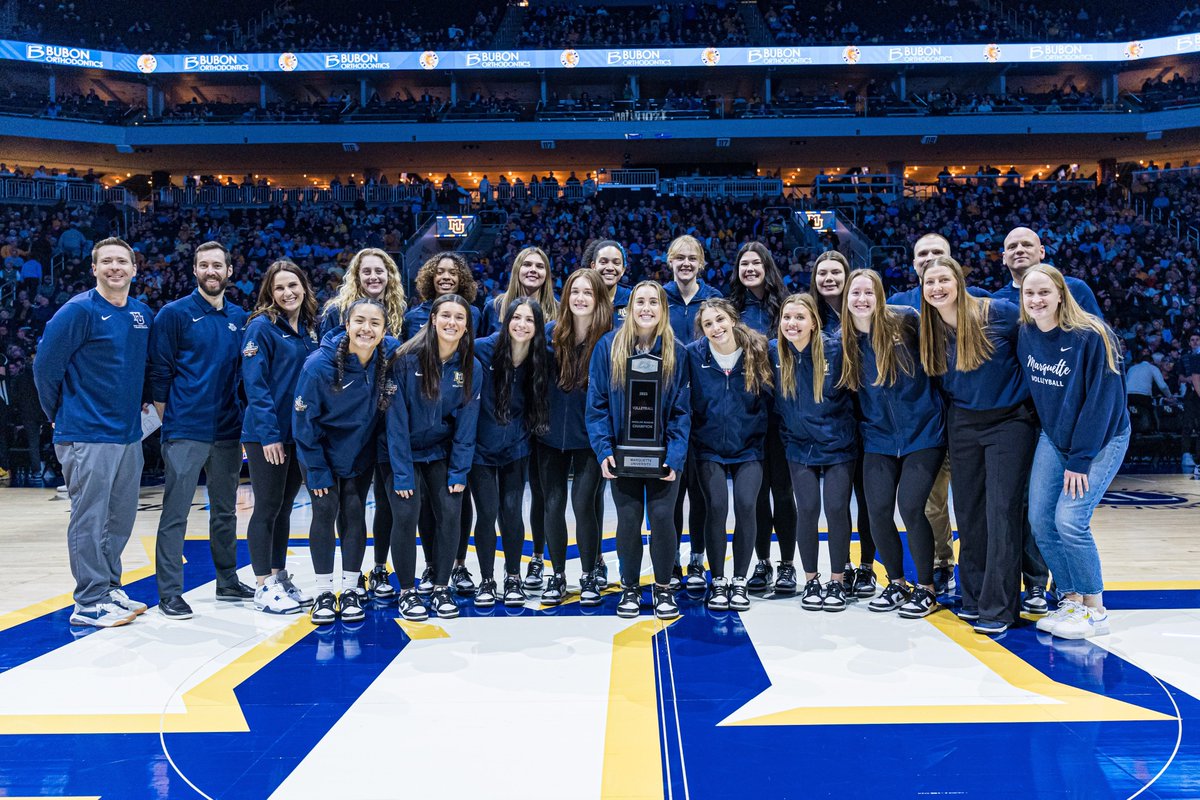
300 405
138 320
233 327
250 350
458 379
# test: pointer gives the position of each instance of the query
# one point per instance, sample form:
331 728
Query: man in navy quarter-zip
937 507
89 371
194 359
1023 249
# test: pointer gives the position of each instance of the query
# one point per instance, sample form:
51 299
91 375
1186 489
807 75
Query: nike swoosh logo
287 336
197 319
103 318
346 385
1064 349
417 374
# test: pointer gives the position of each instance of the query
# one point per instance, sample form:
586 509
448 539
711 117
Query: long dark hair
537 406
773 289
424 344
266 295
381 363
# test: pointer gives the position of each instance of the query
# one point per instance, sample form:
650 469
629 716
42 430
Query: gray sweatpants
102 482
221 462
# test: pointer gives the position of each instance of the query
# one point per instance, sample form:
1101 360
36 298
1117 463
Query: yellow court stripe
211 706
632 750
1063 703
418 631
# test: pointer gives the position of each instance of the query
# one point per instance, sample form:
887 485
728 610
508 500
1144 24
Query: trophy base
640 462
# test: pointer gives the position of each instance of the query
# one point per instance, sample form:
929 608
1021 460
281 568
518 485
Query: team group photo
328 438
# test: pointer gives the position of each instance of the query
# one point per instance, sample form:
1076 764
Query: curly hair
462 271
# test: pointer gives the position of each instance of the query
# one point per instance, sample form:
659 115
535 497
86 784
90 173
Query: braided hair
382 364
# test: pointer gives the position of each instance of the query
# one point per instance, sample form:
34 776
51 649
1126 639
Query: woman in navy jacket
757 293
584 316
817 427
647 330
969 344
903 432
280 335
431 428
334 416
827 287
512 405
373 274
529 277
1073 369
609 259
445 273
730 372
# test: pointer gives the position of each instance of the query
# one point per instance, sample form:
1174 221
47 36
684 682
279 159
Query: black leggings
911 476
432 493
747 477
691 485
776 493
537 498
634 497
835 490
499 490
275 489
381 523
586 496
866 544
427 526
346 501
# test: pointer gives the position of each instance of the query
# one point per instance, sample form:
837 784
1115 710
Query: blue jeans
1062 525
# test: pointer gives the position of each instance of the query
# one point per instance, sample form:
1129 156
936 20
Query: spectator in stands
1190 373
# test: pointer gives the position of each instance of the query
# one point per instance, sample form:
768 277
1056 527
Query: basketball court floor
577 703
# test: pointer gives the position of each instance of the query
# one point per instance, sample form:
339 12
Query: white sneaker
101 615
119 598
272 598
293 591
1083 624
1066 608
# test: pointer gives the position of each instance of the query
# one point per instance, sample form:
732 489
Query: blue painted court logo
1148 500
